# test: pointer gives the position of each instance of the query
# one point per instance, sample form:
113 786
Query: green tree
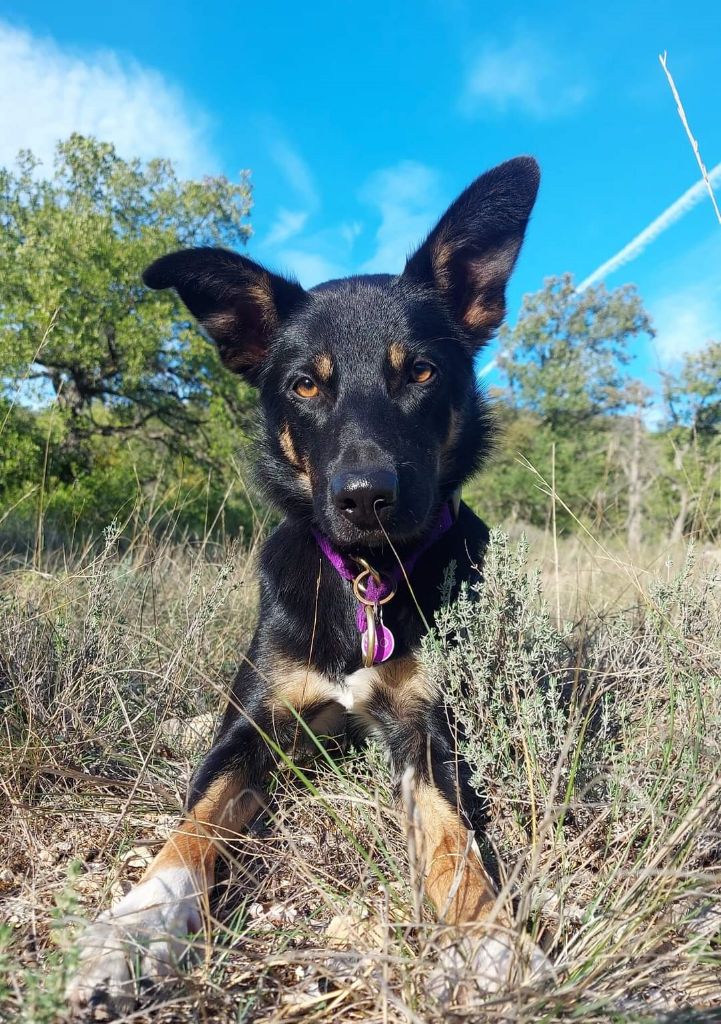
71 252
566 355
692 444
566 361
133 384
693 398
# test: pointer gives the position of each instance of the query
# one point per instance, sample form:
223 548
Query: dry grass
106 656
596 576
663 60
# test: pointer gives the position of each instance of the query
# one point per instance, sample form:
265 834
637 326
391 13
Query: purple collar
348 568
376 592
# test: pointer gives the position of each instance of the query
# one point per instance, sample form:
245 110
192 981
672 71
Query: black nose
362 495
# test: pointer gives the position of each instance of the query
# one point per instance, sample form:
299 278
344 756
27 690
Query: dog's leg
404 709
482 951
145 936
437 800
455 879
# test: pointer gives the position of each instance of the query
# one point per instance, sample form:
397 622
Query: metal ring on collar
360 596
369 568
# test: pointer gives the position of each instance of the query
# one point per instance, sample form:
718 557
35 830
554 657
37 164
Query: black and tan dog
372 421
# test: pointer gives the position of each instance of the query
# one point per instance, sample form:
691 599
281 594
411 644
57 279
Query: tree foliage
71 301
693 398
566 356
131 381
573 414
691 480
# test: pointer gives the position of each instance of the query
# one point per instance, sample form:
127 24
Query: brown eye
422 372
306 388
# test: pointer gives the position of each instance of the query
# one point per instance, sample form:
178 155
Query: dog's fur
341 371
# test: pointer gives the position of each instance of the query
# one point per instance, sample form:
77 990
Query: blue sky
360 122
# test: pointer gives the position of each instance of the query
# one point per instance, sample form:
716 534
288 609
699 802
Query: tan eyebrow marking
397 354
323 367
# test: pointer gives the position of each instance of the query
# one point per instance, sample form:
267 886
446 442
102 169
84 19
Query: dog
372 421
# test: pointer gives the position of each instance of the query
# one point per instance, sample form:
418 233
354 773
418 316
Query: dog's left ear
469 255
239 303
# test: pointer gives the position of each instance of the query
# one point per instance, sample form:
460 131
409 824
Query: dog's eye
422 372
306 388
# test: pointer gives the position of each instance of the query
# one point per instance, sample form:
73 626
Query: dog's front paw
136 944
475 965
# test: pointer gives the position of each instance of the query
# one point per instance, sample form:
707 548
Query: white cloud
405 198
686 320
408 199
299 177
296 171
48 92
350 230
522 75
310 268
287 223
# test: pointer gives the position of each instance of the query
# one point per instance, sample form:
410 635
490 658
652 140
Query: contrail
675 211
636 246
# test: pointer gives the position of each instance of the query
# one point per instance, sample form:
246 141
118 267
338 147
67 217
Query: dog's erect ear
469 255
239 303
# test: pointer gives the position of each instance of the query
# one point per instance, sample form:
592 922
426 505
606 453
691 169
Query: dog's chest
354 692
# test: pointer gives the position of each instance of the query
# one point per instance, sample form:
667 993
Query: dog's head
372 415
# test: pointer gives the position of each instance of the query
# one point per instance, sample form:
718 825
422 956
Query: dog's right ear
237 302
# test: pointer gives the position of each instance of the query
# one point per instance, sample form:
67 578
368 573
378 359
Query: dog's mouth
389 533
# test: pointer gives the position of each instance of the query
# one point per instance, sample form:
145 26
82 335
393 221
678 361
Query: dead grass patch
598 748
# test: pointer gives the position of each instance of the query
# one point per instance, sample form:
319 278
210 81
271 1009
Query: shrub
599 757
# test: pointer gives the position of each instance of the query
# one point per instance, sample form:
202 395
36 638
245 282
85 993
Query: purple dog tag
385 642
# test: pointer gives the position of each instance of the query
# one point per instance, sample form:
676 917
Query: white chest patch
355 693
